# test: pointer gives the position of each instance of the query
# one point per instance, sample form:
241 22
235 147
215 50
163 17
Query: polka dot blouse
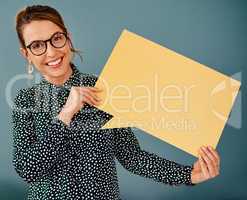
77 161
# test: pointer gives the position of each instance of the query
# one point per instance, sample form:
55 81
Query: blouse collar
73 80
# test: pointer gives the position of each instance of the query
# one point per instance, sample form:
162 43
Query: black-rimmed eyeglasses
39 47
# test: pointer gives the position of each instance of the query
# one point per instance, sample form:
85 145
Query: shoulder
87 79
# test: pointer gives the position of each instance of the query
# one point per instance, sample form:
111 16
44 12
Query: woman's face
54 64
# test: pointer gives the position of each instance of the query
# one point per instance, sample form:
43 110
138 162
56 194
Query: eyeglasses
39 47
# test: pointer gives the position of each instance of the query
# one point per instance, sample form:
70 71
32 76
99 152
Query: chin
59 72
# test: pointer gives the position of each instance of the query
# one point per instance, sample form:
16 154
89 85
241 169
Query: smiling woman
51 59
59 148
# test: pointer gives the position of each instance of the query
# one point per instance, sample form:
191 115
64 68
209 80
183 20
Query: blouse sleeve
33 157
149 165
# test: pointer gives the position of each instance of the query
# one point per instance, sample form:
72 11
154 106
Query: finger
87 100
94 89
87 91
217 166
91 99
211 156
94 96
209 162
216 155
204 168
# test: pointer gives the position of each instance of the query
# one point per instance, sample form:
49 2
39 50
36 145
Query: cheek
68 53
39 63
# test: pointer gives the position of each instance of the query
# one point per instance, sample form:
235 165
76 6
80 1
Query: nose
50 51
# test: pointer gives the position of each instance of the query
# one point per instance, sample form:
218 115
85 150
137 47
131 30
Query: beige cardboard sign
172 97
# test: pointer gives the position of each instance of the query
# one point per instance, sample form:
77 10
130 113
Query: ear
24 53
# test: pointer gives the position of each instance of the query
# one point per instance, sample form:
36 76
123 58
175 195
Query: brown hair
37 13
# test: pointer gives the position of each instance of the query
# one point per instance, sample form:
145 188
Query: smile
55 62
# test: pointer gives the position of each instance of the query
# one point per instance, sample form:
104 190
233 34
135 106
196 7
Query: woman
58 146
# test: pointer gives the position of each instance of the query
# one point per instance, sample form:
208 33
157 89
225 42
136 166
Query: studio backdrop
208 31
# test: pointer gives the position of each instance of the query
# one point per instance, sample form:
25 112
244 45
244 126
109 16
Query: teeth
55 62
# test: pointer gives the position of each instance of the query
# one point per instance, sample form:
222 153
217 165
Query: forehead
39 30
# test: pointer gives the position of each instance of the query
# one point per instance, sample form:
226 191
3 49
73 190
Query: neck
58 81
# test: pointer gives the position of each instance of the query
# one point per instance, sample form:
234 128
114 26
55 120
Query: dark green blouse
78 161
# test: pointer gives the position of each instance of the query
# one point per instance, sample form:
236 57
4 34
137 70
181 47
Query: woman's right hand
76 100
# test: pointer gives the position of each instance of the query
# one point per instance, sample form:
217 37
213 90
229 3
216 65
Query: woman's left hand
207 166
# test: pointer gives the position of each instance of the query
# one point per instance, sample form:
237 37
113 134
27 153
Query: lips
55 62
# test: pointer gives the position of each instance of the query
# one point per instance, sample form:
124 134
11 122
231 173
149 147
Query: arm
33 157
149 165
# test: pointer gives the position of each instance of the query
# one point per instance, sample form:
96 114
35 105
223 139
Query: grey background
212 32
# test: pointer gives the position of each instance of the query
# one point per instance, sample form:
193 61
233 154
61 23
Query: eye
58 37
37 45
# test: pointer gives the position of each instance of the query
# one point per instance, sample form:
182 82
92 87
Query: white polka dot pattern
78 161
